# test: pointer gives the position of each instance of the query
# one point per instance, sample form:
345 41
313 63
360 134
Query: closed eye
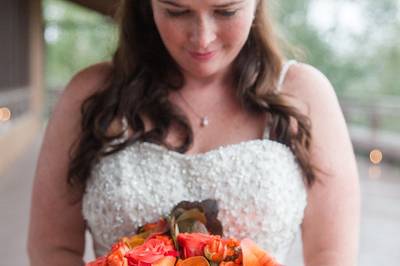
179 13
173 13
226 13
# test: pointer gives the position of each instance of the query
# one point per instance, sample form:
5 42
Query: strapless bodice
258 185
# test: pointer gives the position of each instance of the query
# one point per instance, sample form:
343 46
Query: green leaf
198 227
193 214
210 207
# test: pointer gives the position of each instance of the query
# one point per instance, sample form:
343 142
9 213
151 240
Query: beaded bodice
257 184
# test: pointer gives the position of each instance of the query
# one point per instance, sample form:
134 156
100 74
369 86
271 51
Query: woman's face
204 36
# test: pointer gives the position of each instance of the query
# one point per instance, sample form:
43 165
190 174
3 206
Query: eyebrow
173 3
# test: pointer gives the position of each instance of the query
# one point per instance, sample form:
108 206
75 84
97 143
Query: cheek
167 34
171 32
237 32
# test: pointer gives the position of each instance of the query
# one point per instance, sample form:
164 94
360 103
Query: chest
223 129
258 181
149 176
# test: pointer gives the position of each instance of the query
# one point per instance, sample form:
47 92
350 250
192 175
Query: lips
202 56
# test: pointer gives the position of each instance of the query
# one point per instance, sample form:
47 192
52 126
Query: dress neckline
223 147
216 150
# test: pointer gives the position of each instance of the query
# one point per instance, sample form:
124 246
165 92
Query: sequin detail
257 183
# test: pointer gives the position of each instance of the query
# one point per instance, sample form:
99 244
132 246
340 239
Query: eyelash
224 13
227 13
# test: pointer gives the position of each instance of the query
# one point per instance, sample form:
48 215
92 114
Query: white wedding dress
258 185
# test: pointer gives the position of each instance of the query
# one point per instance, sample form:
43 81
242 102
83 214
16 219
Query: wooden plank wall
14 43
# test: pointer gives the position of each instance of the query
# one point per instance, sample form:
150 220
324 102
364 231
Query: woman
197 103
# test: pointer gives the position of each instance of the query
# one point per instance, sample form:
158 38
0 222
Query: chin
204 74
204 71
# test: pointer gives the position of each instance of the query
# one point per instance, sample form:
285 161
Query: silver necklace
203 119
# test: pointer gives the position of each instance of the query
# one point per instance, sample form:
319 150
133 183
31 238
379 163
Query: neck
204 94
221 79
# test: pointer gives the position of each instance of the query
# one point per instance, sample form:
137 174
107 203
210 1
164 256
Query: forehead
204 3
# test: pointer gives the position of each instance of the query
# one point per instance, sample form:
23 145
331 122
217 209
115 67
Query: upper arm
55 223
331 222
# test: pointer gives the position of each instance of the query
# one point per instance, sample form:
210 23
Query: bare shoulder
64 124
81 86
310 86
305 79
65 120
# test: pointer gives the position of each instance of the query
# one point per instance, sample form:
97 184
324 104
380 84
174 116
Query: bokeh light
376 156
5 114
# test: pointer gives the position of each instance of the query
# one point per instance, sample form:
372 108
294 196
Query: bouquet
190 236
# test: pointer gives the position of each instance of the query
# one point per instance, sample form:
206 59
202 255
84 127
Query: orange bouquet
190 236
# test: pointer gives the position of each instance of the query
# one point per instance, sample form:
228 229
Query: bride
197 103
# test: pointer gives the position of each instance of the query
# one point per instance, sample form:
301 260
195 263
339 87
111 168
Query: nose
203 33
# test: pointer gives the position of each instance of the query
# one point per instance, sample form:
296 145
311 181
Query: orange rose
255 256
116 260
152 252
101 261
193 261
215 249
193 244
133 241
117 255
158 226
229 263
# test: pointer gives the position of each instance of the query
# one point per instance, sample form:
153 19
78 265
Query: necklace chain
204 121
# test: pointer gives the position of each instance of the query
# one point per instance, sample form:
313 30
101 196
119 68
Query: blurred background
355 44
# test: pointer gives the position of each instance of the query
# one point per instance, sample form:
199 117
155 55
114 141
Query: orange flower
133 241
215 250
193 261
101 261
166 239
117 255
193 244
153 251
158 226
255 256
116 260
232 242
229 263
166 261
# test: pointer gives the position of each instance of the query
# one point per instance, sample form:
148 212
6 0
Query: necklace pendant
204 121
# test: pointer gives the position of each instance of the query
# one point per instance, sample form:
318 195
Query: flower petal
253 255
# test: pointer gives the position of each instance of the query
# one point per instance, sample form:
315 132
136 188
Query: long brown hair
142 75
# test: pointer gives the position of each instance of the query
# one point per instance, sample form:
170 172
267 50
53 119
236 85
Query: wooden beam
105 7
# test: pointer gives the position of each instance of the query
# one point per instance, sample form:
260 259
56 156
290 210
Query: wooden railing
374 124
17 101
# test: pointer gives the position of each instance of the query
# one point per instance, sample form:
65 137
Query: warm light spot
375 156
5 114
